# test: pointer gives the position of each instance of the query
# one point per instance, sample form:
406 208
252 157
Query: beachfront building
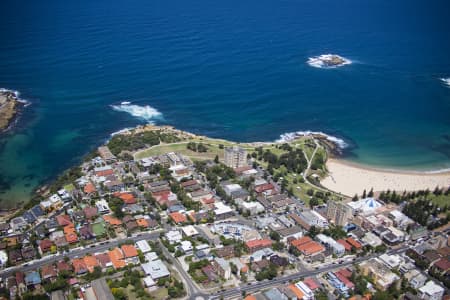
235 157
339 213
365 207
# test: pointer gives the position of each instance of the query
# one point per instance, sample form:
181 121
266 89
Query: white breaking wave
446 81
121 131
328 61
290 136
145 112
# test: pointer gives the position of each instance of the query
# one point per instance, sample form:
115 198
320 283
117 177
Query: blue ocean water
229 69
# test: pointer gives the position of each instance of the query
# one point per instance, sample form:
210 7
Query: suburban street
78 252
192 290
258 286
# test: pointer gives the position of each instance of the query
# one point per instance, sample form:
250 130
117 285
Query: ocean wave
146 112
446 81
290 136
328 61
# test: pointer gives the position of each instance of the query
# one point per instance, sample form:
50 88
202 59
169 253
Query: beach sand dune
350 179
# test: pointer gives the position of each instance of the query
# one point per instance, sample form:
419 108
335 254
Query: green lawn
181 148
99 228
129 291
160 294
212 144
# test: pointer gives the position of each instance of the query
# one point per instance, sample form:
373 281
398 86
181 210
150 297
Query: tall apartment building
235 157
339 212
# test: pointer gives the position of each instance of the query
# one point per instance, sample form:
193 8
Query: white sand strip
349 179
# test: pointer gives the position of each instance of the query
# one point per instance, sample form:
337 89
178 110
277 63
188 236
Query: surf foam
290 136
446 81
16 94
328 61
146 112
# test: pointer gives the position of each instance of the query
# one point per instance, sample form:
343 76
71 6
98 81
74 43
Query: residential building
331 244
339 212
156 269
415 278
309 218
189 231
173 236
222 267
18 224
252 208
222 211
235 157
308 294
143 246
431 291
382 275
106 154
371 239
255 245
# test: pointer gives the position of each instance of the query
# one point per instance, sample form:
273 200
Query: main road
258 286
193 291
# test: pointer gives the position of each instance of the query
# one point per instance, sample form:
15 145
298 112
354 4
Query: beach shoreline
349 178
388 169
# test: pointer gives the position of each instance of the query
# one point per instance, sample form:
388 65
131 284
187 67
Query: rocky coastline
10 105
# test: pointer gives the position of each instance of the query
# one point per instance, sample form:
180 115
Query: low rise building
222 267
309 218
331 244
308 294
371 239
431 291
156 269
255 245
392 261
415 279
189 231
222 211
382 275
174 236
252 208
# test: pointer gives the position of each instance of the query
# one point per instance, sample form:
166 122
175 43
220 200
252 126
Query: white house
174 236
155 269
431 291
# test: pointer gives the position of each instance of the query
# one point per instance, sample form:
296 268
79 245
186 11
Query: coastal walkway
306 172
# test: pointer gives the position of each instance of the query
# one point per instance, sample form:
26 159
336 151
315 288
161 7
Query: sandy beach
349 179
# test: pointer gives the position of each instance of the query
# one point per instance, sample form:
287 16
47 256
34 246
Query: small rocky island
328 61
9 107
